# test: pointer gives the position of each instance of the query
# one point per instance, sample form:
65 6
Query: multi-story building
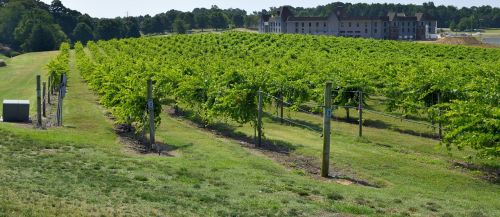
396 26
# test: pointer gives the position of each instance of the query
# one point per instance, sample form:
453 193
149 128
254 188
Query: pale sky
115 8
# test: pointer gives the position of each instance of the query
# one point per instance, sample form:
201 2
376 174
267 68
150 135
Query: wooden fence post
259 120
48 89
151 115
38 102
440 130
44 92
360 110
53 86
327 113
281 106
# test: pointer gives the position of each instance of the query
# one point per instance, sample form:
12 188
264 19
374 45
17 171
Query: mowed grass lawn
18 79
83 169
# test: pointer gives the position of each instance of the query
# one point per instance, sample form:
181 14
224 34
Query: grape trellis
219 75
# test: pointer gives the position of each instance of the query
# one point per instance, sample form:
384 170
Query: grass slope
18 78
82 169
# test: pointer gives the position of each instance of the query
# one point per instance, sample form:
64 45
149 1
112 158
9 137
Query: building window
409 30
341 24
403 24
366 24
366 31
317 24
296 30
376 24
324 24
349 24
296 24
403 30
375 31
357 24
309 24
385 24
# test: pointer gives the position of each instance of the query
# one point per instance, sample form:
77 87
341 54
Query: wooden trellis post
151 115
327 113
38 103
259 120
44 92
360 110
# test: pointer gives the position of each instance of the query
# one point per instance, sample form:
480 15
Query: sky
115 8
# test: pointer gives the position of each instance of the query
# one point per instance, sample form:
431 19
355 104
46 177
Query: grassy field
18 79
83 169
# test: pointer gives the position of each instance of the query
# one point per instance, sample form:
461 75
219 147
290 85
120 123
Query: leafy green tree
132 28
238 20
10 16
40 39
83 33
180 26
218 20
26 35
65 17
109 28
202 21
147 25
251 21
453 26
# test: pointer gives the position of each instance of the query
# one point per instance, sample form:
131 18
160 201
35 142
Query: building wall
398 29
318 27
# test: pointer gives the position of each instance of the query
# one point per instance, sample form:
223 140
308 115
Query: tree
465 23
10 16
180 26
251 21
147 25
218 20
132 28
26 36
40 39
66 18
238 20
109 28
83 33
201 21
453 26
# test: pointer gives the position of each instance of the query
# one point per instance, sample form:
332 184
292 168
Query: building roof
265 17
422 16
405 18
362 18
285 14
307 18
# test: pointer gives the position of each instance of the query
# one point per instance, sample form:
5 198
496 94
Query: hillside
85 168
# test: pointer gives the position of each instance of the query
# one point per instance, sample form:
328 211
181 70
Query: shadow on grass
229 131
490 173
378 124
278 150
138 143
300 123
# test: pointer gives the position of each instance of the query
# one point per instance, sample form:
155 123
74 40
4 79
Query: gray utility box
16 111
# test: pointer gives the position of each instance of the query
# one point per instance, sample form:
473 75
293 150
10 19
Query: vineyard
219 76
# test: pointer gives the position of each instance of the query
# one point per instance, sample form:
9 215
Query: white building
395 26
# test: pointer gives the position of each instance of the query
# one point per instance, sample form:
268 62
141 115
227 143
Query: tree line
31 25
447 16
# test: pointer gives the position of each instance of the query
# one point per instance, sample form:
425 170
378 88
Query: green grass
82 169
18 79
